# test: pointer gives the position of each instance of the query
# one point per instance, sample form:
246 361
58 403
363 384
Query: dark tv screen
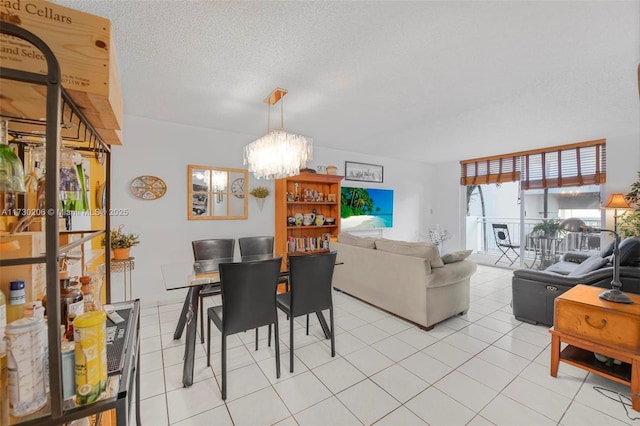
366 208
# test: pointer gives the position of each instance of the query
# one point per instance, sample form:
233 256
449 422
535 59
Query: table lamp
614 294
614 202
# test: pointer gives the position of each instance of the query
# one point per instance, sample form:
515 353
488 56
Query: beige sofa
409 280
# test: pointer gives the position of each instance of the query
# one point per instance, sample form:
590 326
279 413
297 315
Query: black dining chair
310 278
248 301
214 248
255 246
503 242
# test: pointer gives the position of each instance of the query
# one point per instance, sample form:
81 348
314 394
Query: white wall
623 165
409 181
163 149
448 205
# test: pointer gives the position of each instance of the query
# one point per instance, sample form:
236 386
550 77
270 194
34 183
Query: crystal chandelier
277 154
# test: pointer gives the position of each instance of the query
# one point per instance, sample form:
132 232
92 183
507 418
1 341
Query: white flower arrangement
438 236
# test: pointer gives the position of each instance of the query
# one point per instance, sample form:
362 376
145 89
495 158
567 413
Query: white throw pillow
456 256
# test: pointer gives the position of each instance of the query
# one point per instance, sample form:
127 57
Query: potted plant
121 243
547 228
260 193
629 221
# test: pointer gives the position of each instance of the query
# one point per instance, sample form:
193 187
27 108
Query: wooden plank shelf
301 253
311 227
587 361
329 203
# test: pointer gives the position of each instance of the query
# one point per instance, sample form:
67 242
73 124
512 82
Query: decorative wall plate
148 187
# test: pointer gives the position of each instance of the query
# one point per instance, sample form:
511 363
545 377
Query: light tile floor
481 368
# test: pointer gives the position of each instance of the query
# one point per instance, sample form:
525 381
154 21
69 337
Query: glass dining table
194 275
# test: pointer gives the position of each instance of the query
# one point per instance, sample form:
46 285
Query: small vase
260 202
121 253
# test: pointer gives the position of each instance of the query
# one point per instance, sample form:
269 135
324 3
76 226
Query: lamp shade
616 201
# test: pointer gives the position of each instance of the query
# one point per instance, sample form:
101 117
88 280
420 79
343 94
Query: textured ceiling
421 80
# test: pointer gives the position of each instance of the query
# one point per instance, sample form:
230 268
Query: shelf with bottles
302 228
38 249
119 384
311 196
329 203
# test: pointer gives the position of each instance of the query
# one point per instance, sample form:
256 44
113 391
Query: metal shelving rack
58 105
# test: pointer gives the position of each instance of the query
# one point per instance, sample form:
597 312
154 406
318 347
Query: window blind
497 169
582 163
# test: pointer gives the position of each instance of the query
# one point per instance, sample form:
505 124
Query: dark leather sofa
534 292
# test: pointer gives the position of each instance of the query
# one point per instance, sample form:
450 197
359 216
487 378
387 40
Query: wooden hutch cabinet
306 193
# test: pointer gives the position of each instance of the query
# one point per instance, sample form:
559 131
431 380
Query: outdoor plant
548 227
120 239
260 192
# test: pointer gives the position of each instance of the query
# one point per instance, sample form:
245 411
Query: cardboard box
83 45
24 244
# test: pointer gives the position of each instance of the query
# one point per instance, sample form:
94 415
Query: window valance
577 164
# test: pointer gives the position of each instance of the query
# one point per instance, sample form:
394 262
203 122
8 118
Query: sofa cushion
427 251
591 264
353 240
630 251
456 256
607 250
563 268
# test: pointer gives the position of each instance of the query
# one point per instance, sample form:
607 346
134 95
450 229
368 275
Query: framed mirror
216 193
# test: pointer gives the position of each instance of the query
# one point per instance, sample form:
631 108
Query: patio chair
503 242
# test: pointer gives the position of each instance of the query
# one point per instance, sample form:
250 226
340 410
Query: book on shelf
298 244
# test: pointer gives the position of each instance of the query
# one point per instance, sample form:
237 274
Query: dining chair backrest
249 294
310 277
214 248
252 246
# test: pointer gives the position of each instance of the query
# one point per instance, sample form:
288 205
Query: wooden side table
591 325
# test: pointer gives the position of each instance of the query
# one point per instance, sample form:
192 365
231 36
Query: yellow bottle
17 301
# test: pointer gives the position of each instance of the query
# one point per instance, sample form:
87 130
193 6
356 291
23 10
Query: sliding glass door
527 195
532 218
